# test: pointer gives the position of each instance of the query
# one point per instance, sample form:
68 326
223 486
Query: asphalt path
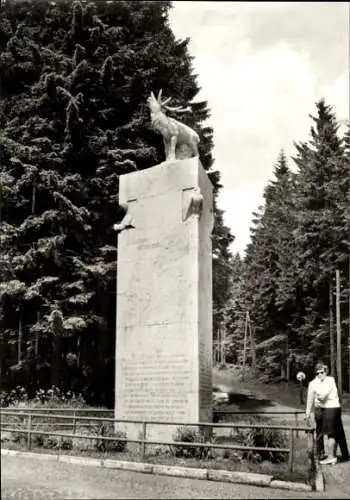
32 479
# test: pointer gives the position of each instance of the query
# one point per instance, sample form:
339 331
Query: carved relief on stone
194 203
128 221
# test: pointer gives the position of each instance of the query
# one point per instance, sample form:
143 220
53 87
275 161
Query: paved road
337 480
32 479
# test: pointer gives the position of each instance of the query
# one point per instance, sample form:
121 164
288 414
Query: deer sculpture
176 135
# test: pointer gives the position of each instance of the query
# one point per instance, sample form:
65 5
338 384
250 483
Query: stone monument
164 291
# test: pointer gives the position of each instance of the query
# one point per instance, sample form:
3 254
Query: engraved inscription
156 388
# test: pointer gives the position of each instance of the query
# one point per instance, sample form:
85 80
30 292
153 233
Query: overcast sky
261 67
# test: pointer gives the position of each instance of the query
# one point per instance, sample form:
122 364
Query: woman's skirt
331 421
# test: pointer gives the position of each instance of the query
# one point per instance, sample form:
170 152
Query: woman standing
323 396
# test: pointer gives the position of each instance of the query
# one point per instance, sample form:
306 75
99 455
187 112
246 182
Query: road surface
33 479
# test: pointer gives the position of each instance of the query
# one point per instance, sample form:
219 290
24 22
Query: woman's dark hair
321 366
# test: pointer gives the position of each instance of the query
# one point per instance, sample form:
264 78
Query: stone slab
289 485
29 454
188 472
164 299
239 477
131 466
93 462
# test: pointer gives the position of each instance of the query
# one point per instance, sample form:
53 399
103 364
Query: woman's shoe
329 461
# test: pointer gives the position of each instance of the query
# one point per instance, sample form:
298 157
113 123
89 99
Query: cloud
262 66
319 29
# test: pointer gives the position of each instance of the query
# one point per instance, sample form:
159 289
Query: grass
233 463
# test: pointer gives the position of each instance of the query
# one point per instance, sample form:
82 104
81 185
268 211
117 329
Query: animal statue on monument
180 141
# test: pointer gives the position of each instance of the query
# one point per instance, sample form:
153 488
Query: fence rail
29 415
105 410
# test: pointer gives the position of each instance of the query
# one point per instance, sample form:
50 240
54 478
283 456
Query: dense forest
300 237
74 80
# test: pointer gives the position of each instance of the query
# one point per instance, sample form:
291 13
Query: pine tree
222 271
321 238
74 79
235 312
268 265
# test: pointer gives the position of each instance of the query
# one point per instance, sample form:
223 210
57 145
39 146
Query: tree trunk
0 203
287 363
78 352
1 353
2 343
252 346
56 360
57 330
20 335
36 350
33 199
288 368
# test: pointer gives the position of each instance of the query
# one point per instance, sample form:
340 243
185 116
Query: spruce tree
321 237
74 80
268 265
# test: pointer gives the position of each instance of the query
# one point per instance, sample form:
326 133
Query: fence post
296 423
291 450
59 444
143 437
29 434
74 421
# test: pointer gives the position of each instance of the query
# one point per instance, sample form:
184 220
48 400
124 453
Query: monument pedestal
164 299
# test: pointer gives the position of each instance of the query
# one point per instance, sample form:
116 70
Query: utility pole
20 338
252 344
245 343
223 345
331 329
339 360
36 345
222 353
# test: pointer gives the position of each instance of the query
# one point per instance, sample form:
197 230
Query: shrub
57 442
19 437
16 422
107 430
84 444
158 451
190 435
54 397
265 438
10 398
44 440
17 399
